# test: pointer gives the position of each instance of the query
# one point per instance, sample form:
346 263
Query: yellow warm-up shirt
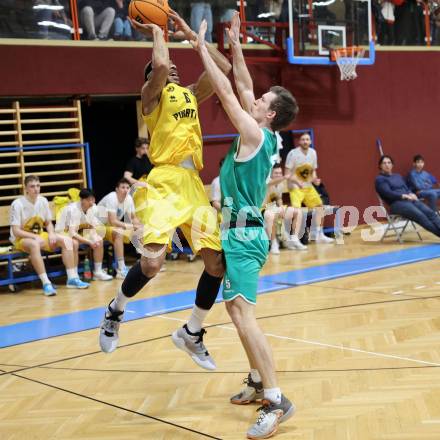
174 128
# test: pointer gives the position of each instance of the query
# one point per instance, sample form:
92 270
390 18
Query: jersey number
187 98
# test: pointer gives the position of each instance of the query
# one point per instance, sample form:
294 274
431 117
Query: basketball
149 11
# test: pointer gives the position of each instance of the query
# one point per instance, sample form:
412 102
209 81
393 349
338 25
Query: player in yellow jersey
175 195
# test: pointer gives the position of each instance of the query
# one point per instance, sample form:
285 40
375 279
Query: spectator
51 16
385 18
139 165
409 26
32 231
216 195
123 30
301 165
200 11
97 17
274 210
393 191
422 183
80 220
226 10
436 21
120 221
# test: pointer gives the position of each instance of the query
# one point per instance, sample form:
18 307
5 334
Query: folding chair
396 224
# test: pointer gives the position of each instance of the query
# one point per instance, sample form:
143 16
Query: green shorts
245 251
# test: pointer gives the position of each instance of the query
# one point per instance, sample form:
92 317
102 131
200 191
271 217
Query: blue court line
35 330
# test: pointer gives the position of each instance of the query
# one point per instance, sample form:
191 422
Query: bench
13 256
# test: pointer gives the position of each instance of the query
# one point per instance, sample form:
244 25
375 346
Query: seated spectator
32 231
216 195
80 220
301 165
422 183
138 166
120 221
393 190
202 11
97 18
123 29
274 210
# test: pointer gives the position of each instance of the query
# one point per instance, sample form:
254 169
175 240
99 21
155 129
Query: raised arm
246 125
243 80
202 88
157 79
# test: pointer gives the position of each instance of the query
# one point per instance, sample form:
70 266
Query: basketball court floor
355 330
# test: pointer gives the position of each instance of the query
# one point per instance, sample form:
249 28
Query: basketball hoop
347 58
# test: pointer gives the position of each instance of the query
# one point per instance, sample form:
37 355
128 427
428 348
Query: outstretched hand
200 42
234 30
181 29
146 29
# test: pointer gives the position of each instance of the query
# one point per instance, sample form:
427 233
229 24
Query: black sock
134 281
207 290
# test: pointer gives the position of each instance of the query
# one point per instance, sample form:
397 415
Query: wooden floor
359 356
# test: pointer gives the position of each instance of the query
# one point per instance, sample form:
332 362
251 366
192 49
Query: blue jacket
419 181
391 187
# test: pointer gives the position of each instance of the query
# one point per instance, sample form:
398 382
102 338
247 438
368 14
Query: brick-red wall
397 100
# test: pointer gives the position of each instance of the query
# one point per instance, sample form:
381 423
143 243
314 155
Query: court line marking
156 419
59 325
44 364
323 344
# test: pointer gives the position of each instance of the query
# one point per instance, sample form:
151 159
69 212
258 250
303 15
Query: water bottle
87 270
110 252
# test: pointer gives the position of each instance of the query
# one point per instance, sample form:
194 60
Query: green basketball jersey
243 181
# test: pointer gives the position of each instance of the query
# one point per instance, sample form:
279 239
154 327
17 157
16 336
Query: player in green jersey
245 244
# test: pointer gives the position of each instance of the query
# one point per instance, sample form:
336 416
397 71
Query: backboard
316 27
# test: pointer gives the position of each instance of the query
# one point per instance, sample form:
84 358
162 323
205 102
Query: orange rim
350 51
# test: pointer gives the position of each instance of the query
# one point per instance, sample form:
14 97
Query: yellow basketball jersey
174 128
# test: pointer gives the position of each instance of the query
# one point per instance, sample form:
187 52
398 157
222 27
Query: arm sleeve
14 215
290 160
433 179
384 190
109 204
412 182
47 211
130 166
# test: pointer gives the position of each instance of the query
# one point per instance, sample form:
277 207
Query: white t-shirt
122 210
29 216
274 192
302 165
216 195
73 215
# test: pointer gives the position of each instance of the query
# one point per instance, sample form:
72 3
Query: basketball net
347 58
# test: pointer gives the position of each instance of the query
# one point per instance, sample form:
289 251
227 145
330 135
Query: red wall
396 100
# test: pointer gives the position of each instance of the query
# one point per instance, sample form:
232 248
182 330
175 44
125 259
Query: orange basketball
149 11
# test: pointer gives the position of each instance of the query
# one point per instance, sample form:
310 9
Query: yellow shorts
139 198
309 196
127 233
44 235
175 197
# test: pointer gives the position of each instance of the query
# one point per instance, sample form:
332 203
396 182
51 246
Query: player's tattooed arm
243 80
157 79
